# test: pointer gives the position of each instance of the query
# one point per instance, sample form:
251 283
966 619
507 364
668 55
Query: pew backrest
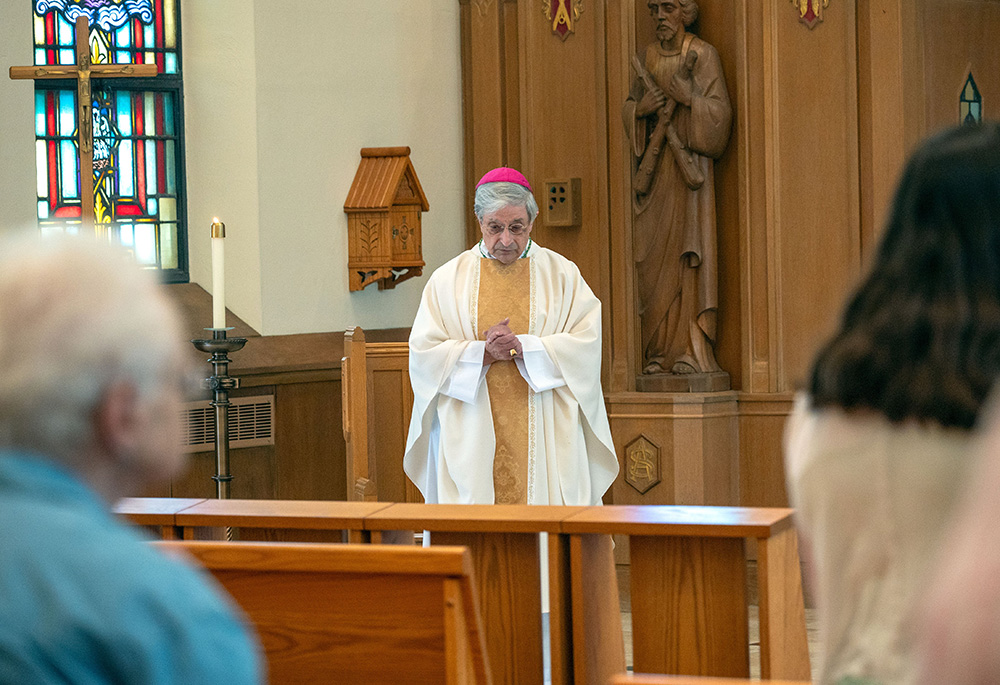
377 401
354 613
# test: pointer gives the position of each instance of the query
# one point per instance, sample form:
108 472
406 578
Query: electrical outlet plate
561 204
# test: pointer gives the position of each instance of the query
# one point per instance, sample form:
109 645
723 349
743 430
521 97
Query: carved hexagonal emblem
642 464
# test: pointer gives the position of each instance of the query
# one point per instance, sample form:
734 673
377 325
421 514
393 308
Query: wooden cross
83 71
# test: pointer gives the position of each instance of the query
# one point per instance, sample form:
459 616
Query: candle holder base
220 383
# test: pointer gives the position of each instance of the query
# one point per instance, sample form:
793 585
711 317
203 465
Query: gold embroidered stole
505 290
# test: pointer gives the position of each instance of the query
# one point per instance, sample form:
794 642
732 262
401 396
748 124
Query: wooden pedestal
676 448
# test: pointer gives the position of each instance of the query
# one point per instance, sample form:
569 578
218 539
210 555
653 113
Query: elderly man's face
505 232
669 18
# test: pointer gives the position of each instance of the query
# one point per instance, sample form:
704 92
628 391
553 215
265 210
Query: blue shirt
85 599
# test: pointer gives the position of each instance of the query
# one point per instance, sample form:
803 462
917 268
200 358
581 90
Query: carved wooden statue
678 117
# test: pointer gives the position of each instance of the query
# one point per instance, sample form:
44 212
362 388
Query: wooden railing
688 576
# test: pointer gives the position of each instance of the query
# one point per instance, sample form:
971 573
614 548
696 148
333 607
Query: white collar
486 253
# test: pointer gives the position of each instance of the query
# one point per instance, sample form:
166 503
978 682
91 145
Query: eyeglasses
515 229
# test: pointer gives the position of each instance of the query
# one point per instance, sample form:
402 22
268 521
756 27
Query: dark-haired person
877 451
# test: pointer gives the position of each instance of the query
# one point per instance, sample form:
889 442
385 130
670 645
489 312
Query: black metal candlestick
220 383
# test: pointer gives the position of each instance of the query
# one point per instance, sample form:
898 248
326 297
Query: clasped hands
501 343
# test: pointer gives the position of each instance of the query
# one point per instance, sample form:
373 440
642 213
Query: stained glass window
970 103
138 165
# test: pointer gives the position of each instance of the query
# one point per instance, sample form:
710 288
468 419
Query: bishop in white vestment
505 364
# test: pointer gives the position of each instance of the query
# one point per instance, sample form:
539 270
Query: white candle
218 274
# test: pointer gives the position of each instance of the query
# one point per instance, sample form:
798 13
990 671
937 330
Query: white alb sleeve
537 366
463 383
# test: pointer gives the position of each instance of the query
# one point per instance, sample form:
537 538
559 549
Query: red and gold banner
563 14
810 11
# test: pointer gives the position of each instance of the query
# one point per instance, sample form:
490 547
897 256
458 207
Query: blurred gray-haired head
76 316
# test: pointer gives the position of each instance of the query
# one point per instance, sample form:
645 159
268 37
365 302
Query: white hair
76 316
492 197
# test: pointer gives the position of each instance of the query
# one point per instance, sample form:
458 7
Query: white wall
17 120
275 146
220 111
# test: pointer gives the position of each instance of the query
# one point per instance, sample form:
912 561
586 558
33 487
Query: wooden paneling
253 469
702 582
490 92
755 274
303 374
564 124
306 461
761 460
959 35
506 570
809 129
309 444
620 311
913 59
393 404
718 23
890 103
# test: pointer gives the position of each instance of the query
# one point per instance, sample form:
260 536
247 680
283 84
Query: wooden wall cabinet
383 219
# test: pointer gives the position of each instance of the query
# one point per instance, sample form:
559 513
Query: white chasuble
534 430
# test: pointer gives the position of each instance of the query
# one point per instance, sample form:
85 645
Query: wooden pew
354 613
688 587
688 578
375 432
504 543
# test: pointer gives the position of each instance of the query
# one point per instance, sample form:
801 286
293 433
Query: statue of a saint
678 117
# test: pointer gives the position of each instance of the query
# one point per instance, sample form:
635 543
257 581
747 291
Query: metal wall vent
251 423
